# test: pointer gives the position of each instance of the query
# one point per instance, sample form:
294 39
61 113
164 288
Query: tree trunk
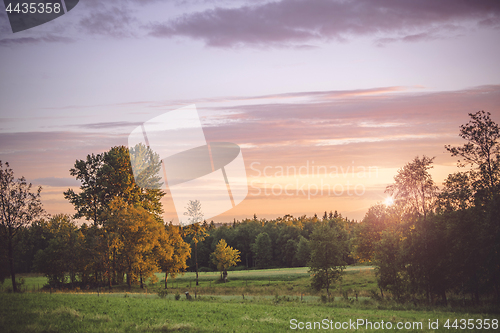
327 286
443 297
166 276
196 259
11 263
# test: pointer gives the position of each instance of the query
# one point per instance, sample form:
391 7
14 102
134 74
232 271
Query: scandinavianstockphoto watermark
328 324
310 179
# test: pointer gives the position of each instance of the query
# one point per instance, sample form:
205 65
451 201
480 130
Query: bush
205 269
237 268
375 295
177 296
162 293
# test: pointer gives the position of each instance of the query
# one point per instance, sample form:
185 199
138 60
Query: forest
429 245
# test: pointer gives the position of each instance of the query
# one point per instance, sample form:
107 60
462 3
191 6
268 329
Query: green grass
43 312
252 301
283 281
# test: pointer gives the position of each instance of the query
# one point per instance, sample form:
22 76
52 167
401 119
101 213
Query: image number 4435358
26 14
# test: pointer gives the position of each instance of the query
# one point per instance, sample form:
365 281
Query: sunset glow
325 113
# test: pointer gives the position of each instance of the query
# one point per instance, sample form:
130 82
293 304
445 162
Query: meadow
251 301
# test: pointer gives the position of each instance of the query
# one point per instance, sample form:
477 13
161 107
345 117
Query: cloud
57 141
57 182
295 22
49 38
365 127
114 21
113 124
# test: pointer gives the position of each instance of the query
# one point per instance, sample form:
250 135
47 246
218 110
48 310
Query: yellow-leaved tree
224 257
176 263
138 243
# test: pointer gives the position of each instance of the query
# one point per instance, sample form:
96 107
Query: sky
326 99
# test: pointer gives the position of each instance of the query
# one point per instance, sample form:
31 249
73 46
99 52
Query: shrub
162 293
177 296
205 269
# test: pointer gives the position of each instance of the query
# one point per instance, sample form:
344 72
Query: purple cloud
30 40
292 22
114 21
57 182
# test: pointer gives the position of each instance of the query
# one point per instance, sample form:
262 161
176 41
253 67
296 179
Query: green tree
19 207
391 263
262 249
471 200
303 254
413 188
482 151
369 231
224 257
415 194
61 256
104 177
328 245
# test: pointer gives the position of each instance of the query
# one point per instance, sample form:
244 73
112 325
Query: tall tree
482 150
303 254
476 193
369 232
176 263
413 188
415 193
195 229
61 256
104 177
328 245
19 207
136 242
224 257
262 249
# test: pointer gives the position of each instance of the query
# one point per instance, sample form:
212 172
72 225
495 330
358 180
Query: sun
389 201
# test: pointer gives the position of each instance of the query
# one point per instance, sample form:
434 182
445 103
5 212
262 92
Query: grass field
43 312
284 281
252 301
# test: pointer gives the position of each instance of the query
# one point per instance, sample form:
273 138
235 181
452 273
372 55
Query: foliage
369 232
146 165
19 207
481 151
176 263
104 177
193 210
413 188
224 257
263 252
196 230
328 246
432 244
63 253
136 242
303 254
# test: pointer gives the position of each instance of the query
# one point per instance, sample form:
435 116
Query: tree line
432 243
428 244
